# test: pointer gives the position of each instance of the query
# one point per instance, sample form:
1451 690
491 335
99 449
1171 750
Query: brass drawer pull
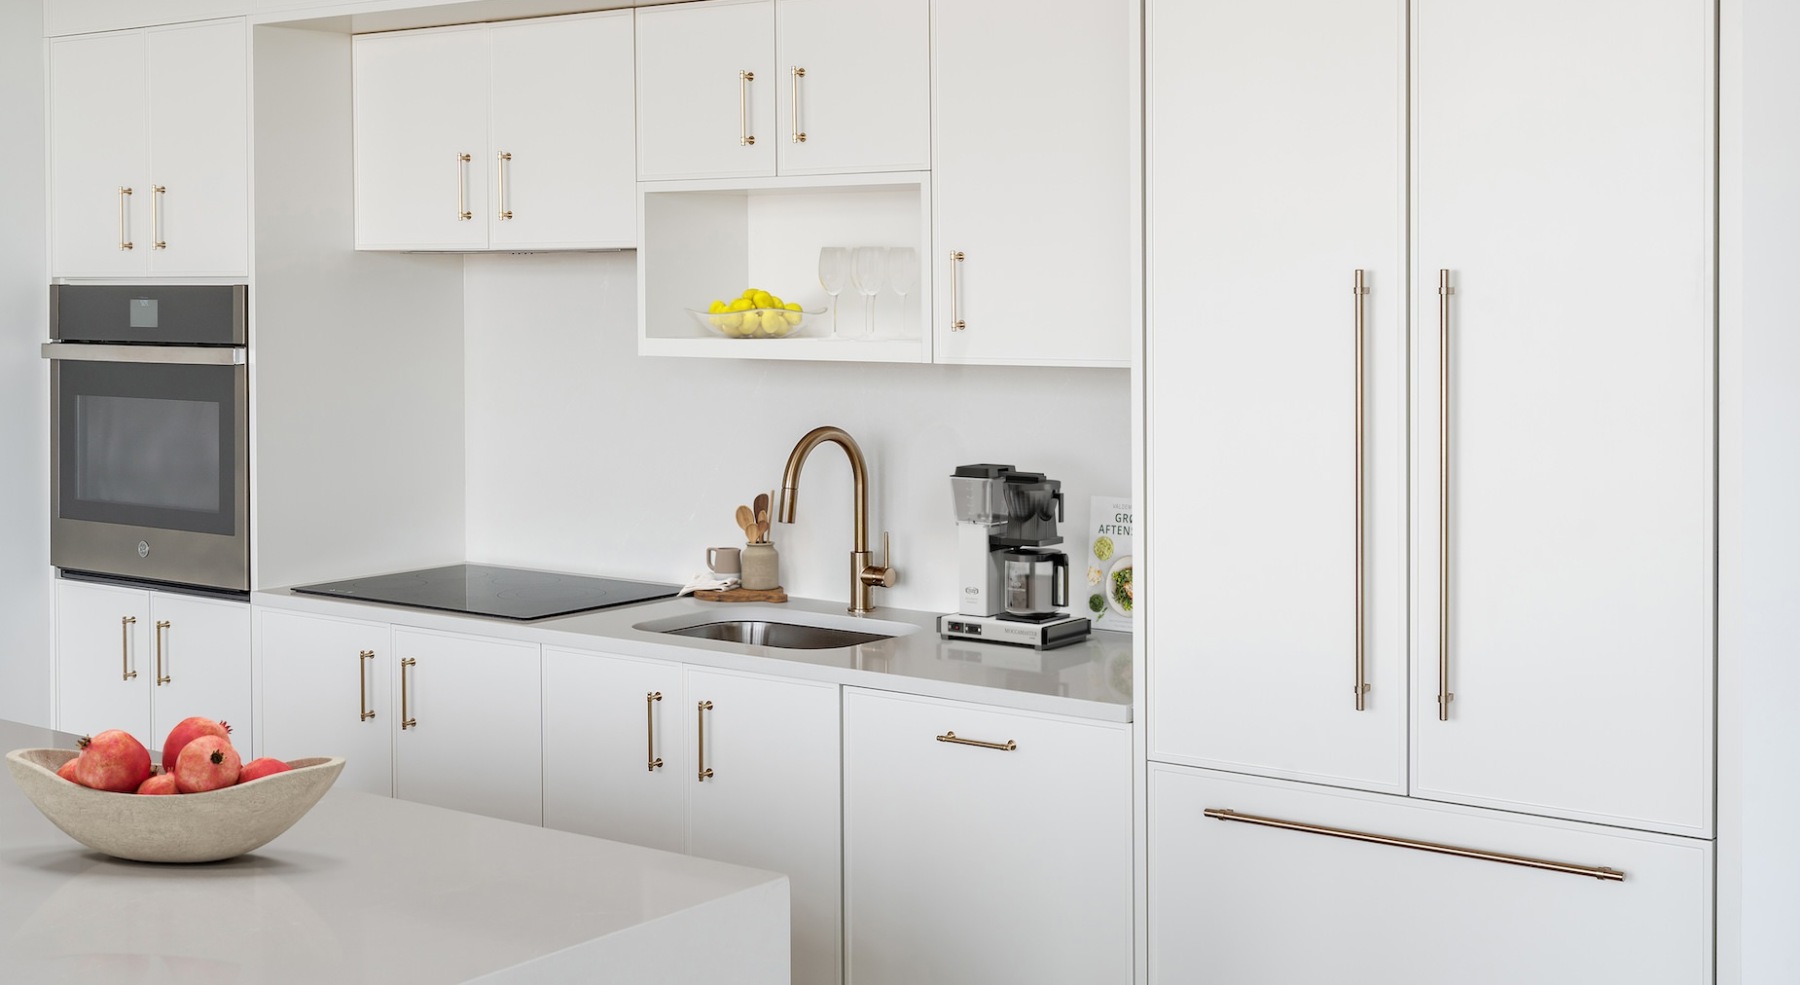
1602 873
125 624
745 137
124 236
1007 746
363 659
796 134
1444 694
956 319
700 744
505 158
156 235
406 719
161 678
1361 291
462 189
653 761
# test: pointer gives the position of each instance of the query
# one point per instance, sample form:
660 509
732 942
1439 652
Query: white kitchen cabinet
88 16
1031 203
1577 462
615 752
497 136
324 686
141 661
149 152
753 88
764 791
1271 477
1235 901
470 723
1563 179
1008 859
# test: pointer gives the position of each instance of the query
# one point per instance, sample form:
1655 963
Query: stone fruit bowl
758 323
193 827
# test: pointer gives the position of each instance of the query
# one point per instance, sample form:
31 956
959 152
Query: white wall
1760 494
583 456
26 670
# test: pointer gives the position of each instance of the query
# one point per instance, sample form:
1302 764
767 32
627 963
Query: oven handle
189 355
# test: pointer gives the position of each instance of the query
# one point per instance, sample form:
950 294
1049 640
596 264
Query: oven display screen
147 451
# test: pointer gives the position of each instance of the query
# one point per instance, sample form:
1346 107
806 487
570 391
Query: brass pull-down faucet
864 575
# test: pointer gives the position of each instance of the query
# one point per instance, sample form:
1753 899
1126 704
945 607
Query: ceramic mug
723 562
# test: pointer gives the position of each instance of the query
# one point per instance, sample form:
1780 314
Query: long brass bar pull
124 232
462 189
156 199
1600 872
125 624
1007 746
700 743
363 660
505 158
1362 680
161 678
956 320
653 761
406 719
797 135
1444 694
745 137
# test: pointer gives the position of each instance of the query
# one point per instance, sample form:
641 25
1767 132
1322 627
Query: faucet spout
864 575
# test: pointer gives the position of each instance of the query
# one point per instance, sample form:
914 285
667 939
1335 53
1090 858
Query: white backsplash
583 456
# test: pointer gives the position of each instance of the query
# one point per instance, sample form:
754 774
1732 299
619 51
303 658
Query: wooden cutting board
742 595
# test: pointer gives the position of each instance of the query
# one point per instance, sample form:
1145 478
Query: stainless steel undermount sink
759 632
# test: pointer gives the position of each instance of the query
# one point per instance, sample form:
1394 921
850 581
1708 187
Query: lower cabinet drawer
1249 902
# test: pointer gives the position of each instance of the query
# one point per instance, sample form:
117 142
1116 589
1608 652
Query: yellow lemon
764 299
716 307
792 317
750 292
741 304
775 302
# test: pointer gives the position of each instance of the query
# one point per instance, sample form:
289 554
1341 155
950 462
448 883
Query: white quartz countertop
369 889
1090 679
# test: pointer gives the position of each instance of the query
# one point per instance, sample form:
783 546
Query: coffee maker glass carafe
1037 583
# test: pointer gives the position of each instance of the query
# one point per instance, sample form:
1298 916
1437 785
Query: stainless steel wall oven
149 433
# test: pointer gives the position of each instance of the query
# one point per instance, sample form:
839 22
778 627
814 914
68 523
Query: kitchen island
371 889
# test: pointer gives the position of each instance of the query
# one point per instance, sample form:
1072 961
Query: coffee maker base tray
994 629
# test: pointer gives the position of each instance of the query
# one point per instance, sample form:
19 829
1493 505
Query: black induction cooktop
491 590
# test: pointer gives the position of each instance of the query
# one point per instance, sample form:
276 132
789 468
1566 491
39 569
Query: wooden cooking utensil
746 522
761 506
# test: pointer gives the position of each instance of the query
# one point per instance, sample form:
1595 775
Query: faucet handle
882 574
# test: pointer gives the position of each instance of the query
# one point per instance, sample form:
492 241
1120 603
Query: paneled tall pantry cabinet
1429 377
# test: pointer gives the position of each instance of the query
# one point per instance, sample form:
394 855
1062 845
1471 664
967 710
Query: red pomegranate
186 731
256 769
112 760
161 783
67 770
207 763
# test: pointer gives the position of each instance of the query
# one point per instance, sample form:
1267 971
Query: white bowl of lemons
755 314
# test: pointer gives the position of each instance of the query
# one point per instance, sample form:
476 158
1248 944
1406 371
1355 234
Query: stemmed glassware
867 264
834 270
902 272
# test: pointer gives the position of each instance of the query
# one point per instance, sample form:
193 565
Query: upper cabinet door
199 173
99 149
706 90
1563 178
853 85
563 174
1031 187
1277 171
421 110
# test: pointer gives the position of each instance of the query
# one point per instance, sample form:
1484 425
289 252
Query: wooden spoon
761 505
746 522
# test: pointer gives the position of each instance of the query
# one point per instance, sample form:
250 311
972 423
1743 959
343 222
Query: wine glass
867 264
903 272
834 270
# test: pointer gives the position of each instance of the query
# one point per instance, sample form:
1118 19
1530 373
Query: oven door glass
149 445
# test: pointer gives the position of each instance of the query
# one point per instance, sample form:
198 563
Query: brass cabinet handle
124 235
956 321
1007 746
406 719
798 135
462 189
363 659
1600 872
161 678
1444 694
1362 681
700 743
505 158
156 234
745 137
653 762
125 624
